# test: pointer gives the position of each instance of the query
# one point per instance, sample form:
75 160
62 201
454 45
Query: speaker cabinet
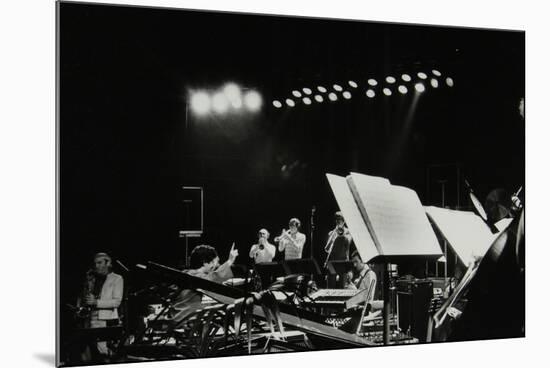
191 211
413 303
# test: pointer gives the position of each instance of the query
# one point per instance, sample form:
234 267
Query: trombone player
339 241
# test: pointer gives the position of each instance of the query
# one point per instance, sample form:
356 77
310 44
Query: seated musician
362 276
101 296
205 263
263 251
292 240
339 240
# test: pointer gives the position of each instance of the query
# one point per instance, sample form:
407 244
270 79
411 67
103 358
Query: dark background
128 143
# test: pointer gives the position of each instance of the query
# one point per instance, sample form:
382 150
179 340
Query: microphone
122 265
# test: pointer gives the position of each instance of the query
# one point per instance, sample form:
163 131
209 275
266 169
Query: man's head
263 234
357 262
204 256
294 225
102 263
339 219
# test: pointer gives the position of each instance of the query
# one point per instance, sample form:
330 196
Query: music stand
339 267
268 272
306 266
336 273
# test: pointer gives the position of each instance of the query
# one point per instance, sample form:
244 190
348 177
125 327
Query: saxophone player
101 296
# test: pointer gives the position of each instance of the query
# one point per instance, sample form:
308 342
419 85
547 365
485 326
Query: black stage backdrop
129 142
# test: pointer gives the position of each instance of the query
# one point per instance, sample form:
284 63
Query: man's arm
116 299
369 278
224 271
253 250
282 244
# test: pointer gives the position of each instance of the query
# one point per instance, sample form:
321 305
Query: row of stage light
226 100
392 84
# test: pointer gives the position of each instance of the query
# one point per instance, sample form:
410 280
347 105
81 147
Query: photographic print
235 184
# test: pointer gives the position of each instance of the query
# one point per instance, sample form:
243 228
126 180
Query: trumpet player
339 240
263 250
291 241
101 296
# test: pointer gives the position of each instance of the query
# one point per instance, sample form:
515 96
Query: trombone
330 242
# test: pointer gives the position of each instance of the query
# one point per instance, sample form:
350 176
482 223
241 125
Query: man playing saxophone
100 298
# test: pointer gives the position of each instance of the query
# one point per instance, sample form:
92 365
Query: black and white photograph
234 184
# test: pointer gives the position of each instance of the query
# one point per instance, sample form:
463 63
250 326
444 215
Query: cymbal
498 204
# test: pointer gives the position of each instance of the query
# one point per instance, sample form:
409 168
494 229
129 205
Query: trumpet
283 234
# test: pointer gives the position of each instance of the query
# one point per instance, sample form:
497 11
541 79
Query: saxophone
84 312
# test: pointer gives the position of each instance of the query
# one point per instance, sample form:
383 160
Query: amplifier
413 303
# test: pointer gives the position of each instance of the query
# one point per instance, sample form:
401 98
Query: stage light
307 91
307 100
332 96
387 91
220 104
253 100
419 87
296 94
352 84
321 89
372 82
434 82
232 91
436 73
318 98
370 93
346 95
290 102
422 75
390 79
277 104
406 77
337 87
236 103
200 103
450 82
402 89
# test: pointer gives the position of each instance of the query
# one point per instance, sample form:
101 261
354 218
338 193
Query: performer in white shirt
263 251
102 294
363 276
292 240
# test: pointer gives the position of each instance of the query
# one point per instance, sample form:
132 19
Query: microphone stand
311 229
125 294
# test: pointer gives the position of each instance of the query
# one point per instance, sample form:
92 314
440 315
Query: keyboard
334 293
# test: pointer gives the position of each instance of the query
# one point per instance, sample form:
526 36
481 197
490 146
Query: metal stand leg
386 304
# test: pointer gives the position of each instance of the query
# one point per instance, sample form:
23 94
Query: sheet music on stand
466 232
384 220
